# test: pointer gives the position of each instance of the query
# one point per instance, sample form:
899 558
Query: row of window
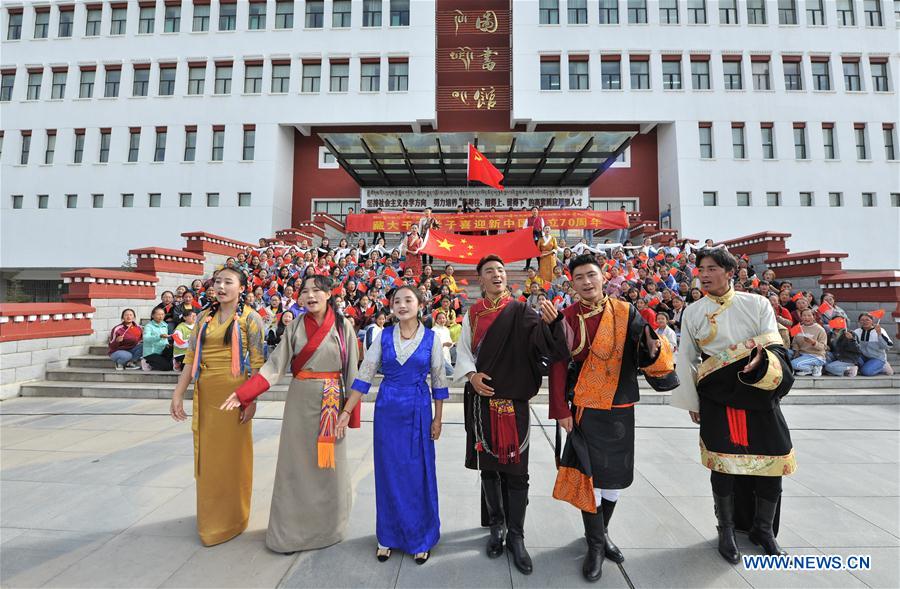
733 72
223 71
800 141
154 200
201 15
695 12
806 199
132 154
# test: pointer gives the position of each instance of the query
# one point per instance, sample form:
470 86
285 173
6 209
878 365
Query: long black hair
214 308
279 329
323 283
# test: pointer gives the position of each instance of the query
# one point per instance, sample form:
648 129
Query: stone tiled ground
99 493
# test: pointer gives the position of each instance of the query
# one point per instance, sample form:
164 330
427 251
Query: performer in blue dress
406 495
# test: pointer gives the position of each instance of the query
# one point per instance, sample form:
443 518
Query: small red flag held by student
837 323
795 330
877 314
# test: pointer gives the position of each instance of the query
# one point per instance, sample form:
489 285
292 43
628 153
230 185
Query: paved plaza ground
100 493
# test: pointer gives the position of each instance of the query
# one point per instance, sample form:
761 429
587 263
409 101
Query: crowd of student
659 280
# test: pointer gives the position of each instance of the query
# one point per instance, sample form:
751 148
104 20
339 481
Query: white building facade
127 123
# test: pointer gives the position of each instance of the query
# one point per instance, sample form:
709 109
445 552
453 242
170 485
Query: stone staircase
93 376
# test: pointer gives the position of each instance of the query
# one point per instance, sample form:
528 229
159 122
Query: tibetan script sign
484 198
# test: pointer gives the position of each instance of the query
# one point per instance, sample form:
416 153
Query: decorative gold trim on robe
736 352
773 376
748 464
724 302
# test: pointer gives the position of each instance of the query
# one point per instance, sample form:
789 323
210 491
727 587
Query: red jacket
132 337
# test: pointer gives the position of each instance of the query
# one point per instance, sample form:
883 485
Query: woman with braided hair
224 349
312 496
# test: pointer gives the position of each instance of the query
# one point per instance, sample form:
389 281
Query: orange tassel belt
310 375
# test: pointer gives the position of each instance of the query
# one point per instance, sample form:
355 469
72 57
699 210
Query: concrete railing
38 336
202 243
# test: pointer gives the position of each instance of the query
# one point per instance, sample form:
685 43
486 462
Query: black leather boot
595 534
515 539
761 533
493 500
725 514
612 551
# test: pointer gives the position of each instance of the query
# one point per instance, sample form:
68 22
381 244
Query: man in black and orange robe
592 397
503 352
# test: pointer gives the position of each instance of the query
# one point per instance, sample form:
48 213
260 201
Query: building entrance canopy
439 159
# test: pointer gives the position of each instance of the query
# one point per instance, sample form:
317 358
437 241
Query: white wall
870 235
101 237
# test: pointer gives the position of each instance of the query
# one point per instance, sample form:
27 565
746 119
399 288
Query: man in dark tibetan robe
503 352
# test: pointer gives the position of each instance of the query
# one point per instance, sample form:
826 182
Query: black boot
612 551
725 514
515 539
761 533
595 534
493 500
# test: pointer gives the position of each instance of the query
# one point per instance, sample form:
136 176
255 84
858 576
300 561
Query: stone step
149 390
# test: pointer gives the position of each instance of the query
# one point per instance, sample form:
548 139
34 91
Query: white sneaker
802 373
852 371
144 366
119 367
888 369
817 371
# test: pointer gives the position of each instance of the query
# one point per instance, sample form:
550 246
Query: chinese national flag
482 170
837 323
824 308
795 330
469 249
877 314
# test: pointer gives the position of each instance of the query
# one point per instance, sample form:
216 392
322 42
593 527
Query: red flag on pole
824 308
877 313
795 330
482 170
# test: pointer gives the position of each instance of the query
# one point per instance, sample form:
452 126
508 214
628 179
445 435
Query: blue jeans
122 357
870 366
837 368
805 362
622 235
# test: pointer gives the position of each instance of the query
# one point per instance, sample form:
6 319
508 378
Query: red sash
315 335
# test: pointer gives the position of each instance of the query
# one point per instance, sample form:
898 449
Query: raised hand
548 311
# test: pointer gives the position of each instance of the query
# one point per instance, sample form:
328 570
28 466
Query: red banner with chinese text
500 221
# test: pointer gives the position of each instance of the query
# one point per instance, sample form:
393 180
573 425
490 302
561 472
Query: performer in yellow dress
224 348
547 244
